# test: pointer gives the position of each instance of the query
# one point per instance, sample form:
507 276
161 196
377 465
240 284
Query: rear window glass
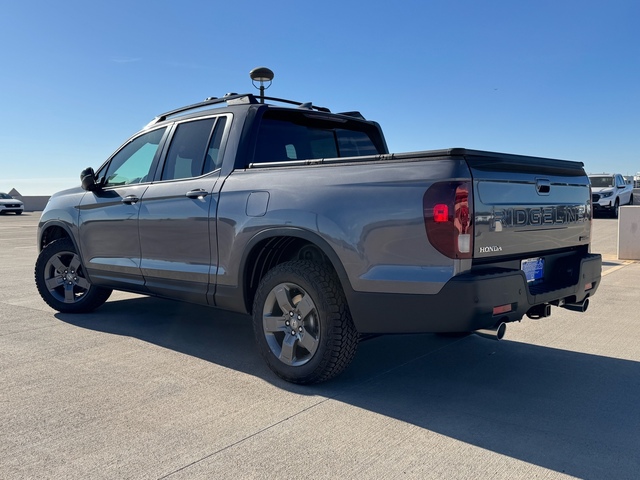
298 136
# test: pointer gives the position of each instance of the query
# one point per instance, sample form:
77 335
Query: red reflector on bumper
501 309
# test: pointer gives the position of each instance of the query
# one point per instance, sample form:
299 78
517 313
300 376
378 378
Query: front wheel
616 209
302 324
62 282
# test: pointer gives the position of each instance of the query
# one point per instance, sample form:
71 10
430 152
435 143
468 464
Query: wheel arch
52 231
275 246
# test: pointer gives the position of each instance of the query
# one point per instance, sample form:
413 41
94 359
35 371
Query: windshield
601 181
5 196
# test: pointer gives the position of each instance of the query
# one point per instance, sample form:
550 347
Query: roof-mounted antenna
262 75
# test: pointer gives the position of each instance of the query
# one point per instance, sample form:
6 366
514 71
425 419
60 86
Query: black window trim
157 177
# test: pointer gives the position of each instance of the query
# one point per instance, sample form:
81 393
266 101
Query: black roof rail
235 99
229 99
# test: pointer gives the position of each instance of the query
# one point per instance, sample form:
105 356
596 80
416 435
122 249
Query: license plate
533 268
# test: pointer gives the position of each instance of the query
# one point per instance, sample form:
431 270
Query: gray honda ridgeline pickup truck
301 218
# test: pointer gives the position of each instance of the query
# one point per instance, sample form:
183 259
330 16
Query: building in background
31 203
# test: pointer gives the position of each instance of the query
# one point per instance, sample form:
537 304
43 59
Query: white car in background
609 191
10 204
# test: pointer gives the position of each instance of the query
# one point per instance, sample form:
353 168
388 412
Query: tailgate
528 205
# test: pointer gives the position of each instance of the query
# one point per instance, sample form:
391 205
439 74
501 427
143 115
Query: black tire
18 213
616 208
631 199
62 282
302 323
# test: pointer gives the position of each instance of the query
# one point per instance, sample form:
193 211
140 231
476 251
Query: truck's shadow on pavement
570 412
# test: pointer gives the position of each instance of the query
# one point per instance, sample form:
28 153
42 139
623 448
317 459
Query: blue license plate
533 268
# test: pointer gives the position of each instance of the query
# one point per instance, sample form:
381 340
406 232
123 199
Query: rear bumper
467 301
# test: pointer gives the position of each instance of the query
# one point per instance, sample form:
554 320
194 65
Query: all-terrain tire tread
342 341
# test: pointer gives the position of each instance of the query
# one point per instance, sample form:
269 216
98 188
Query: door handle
543 186
130 200
197 193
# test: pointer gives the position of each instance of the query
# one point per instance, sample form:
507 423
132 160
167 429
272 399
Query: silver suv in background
609 191
10 204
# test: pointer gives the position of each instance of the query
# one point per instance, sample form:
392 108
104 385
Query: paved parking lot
148 388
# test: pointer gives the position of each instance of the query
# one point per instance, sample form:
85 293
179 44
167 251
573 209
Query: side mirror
88 179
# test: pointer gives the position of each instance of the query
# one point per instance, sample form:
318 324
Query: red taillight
441 213
447 208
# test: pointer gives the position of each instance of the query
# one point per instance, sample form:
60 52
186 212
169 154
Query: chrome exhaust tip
493 333
577 307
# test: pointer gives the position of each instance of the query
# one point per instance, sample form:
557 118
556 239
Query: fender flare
42 228
300 233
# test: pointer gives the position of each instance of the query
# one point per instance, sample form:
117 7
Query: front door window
132 164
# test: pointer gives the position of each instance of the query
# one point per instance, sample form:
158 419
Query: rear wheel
302 324
62 282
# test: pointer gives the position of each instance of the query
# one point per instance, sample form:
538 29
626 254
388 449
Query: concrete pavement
148 388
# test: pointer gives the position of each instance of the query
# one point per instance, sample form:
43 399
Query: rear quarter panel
370 214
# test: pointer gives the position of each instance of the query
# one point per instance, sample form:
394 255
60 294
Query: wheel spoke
57 263
309 342
305 306
69 297
83 283
75 263
54 282
282 297
273 324
288 346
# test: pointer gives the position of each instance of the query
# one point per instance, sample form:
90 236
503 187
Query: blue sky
548 78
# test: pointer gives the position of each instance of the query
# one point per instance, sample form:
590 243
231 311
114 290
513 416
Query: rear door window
187 151
195 149
213 160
